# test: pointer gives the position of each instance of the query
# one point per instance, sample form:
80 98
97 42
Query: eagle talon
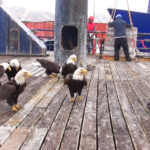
52 75
14 109
72 99
17 106
79 98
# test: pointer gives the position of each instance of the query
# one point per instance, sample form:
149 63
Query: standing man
90 30
120 26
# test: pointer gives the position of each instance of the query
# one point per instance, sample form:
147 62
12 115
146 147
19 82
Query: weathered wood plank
136 72
141 113
17 138
5 132
108 74
120 116
120 71
128 75
42 71
143 68
119 127
71 138
105 135
32 87
101 70
56 131
52 110
114 71
139 138
50 95
35 139
31 120
140 86
88 138
18 117
137 87
143 75
35 142
5 115
121 135
21 115
144 84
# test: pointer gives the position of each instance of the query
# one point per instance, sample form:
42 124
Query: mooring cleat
18 106
72 99
79 98
14 109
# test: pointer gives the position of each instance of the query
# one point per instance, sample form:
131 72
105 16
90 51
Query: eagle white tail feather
60 70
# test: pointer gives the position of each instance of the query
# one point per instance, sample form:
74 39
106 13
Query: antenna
1 2
148 10
94 9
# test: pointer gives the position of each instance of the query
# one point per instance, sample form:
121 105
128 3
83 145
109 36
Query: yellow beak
84 71
9 68
75 59
28 75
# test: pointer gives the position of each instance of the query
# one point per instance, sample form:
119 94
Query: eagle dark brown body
75 86
50 66
68 68
76 82
12 73
10 91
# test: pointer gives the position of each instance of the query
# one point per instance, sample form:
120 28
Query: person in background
90 33
120 26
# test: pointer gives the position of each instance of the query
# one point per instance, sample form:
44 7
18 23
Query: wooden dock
112 115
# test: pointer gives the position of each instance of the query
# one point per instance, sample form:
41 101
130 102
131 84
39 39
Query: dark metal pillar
70 30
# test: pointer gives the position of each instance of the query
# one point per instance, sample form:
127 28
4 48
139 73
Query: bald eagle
3 68
12 89
15 67
51 68
69 66
76 82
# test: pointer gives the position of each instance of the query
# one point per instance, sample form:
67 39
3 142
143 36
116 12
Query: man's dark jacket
119 27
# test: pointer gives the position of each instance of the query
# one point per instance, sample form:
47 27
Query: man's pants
121 42
90 45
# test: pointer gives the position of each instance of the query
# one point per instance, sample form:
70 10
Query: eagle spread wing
6 90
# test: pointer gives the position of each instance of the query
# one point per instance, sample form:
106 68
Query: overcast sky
100 8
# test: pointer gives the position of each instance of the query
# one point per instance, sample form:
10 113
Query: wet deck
113 113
